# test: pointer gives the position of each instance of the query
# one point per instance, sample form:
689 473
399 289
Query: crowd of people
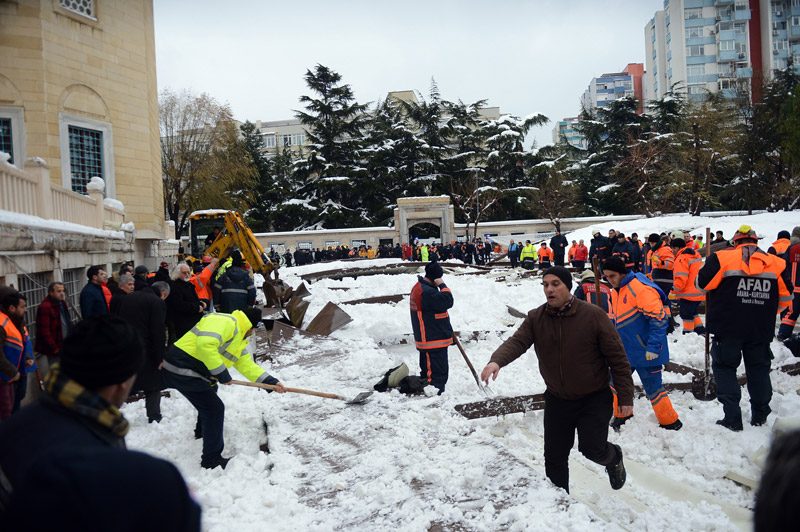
183 329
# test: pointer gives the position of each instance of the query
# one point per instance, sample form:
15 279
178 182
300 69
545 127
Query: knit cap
562 273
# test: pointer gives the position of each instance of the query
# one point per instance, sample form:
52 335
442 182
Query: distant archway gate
435 210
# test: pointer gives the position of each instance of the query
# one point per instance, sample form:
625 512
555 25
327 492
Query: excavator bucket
329 319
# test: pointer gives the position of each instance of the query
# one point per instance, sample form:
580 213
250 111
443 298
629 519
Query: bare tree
203 162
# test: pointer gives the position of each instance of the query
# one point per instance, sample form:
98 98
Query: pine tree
332 172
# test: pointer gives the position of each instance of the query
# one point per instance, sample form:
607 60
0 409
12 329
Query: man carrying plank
577 346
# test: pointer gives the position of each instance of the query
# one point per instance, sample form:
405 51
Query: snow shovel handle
288 389
468 361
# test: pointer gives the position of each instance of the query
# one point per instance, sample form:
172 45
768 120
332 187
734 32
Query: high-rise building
608 87
720 45
564 131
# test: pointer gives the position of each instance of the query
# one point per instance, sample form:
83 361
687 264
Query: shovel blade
360 399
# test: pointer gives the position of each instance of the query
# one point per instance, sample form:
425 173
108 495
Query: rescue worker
423 253
433 334
624 250
639 311
745 291
792 277
202 281
687 263
780 246
659 264
577 347
599 247
587 291
234 289
571 251
636 254
527 256
200 359
545 256
16 358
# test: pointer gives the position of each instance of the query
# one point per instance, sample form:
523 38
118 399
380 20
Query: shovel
703 386
484 388
359 399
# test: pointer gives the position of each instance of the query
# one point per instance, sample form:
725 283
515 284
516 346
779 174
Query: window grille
85 156
81 7
6 145
74 281
34 287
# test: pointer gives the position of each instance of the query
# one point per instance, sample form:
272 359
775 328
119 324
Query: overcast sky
523 56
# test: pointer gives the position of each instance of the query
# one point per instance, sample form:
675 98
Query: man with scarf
45 446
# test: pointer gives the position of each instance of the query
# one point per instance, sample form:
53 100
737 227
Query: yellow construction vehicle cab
217 232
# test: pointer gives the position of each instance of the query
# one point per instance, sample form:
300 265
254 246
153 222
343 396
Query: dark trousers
579 264
514 258
789 319
433 367
210 421
726 355
152 405
559 259
20 388
6 399
562 417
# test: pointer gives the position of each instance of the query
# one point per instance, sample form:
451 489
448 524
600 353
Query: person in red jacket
581 255
53 322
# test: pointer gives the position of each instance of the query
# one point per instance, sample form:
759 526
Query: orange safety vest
202 283
106 295
545 254
781 245
687 263
571 252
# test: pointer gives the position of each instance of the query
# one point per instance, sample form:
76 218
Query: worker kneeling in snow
639 310
200 359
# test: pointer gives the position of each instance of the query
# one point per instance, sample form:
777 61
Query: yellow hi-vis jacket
528 251
218 342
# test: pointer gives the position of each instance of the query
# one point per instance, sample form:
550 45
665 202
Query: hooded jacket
234 290
639 312
429 318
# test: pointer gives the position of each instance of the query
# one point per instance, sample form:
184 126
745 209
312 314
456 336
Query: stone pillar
37 167
95 190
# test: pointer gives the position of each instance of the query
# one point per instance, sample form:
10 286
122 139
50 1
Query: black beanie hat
654 238
433 271
562 273
102 351
140 270
236 258
615 264
784 234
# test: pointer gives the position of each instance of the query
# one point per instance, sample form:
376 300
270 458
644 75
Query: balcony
720 3
742 73
795 10
742 14
726 56
794 33
30 192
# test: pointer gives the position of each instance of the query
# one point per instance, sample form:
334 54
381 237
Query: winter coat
586 291
117 295
15 346
660 263
234 290
545 254
147 313
50 318
183 307
162 274
639 310
581 253
93 301
600 247
429 318
636 251
576 348
528 252
687 263
140 282
559 245
745 289
623 250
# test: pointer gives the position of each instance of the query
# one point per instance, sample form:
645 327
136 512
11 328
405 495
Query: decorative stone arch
82 100
9 93
435 210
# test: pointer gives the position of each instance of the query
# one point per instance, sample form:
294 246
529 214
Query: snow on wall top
61 226
96 183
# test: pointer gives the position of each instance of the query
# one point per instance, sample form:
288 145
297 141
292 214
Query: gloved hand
270 380
650 355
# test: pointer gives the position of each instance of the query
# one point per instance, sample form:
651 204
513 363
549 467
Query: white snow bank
114 204
61 226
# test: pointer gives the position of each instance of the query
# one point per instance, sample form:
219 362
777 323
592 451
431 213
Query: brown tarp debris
395 298
329 319
297 308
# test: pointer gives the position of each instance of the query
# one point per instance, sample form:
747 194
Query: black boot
735 426
673 426
616 470
218 462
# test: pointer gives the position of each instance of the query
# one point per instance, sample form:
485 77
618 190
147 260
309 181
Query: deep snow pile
412 463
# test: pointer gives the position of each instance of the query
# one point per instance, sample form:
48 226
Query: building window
727 46
332 243
11 136
725 84
695 50
357 243
693 13
304 245
269 140
694 32
695 71
85 156
795 21
294 139
696 89
741 48
86 152
780 45
6 144
81 7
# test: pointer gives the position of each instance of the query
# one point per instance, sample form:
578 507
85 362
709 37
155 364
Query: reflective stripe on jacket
16 346
218 342
745 290
660 263
639 312
687 263
429 318
202 282
528 252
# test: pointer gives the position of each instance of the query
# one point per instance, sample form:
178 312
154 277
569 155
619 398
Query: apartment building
564 131
727 46
608 87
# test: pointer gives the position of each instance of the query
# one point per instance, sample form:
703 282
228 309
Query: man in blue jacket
92 299
433 334
234 289
639 310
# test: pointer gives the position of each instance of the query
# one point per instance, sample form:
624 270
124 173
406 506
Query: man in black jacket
234 289
92 300
184 308
559 245
140 278
146 311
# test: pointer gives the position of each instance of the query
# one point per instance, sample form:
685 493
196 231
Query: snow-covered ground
399 463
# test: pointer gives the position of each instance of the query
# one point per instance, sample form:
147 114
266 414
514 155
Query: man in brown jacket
577 346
